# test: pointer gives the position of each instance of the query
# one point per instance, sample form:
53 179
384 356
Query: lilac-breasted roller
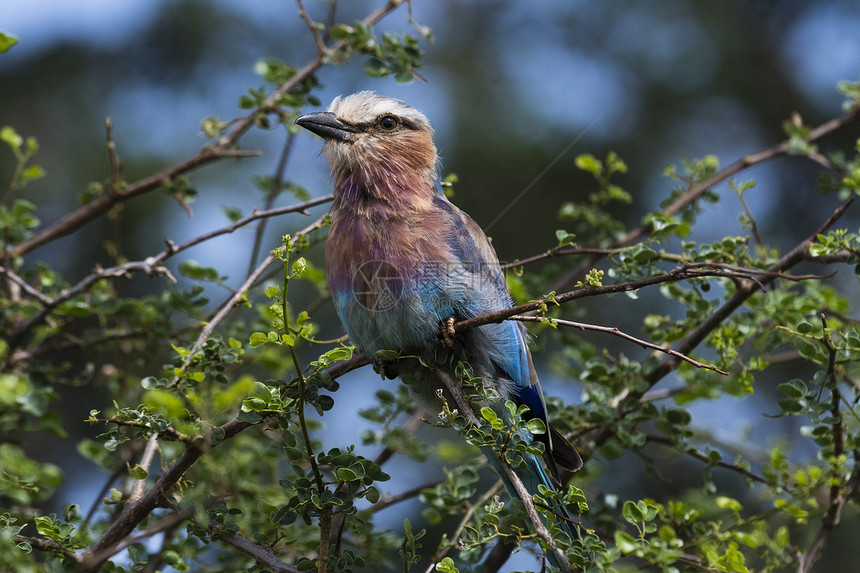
401 260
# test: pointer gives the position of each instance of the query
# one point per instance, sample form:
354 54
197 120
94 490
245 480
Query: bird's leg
447 332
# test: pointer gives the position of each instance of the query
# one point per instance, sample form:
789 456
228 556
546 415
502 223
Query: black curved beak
326 125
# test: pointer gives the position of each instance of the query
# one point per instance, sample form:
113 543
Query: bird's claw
447 332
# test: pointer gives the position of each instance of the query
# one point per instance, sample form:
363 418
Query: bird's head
374 137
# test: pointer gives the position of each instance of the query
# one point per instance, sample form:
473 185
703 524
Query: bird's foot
447 332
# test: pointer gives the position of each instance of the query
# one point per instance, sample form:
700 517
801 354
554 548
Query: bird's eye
388 123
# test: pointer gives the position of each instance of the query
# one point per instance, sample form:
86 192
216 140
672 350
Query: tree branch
263 555
698 334
97 207
693 453
148 454
135 512
47 546
696 190
838 496
683 272
236 298
170 522
274 190
322 49
615 331
829 521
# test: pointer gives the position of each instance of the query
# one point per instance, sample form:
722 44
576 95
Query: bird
403 263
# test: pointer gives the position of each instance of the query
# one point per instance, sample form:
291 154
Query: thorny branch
133 513
615 331
683 272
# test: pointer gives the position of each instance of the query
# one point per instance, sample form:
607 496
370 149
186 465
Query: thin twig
274 191
253 216
467 516
750 218
25 286
99 206
616 332
312 26
390 500
569 252
693 453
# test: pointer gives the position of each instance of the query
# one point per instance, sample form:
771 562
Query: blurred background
515 92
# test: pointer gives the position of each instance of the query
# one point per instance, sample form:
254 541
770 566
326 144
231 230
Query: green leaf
536 426
32 173
488 414
793 388
626 542
258 338
386 355
372 494
193 270
376 68
632 513
589 163
138 472
6 42
346 474
729 503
